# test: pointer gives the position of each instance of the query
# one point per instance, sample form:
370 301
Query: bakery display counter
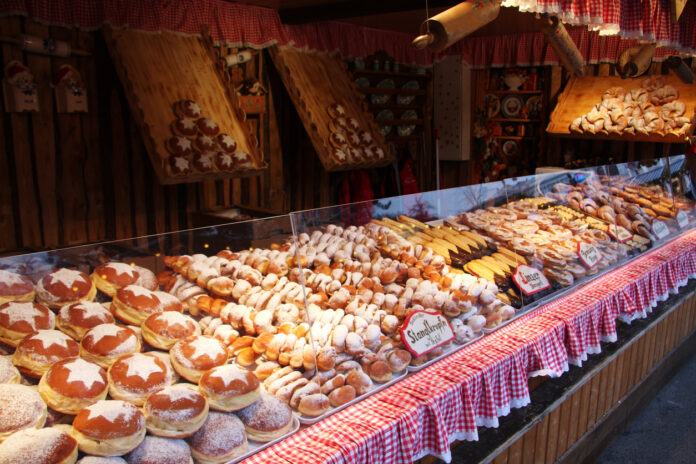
421 315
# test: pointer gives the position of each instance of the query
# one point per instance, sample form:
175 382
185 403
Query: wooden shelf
514 120
515 92
393 106
392 73
399 122
392 91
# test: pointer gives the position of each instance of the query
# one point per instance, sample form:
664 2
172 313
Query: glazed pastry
73 384
109 428
37 351
195 355
266 419
109 277
17 320
226 143
134 376
77 318
220 439
104 343
43 446
185 127
229 388
21 408
133 304
163 330
179 146
208 127
187 109
175 411
14 287
65 286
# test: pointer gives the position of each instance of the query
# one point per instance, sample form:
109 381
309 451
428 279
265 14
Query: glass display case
299 316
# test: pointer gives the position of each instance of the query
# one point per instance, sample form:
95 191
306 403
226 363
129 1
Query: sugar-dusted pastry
158 450
163 330
18 319
336 110
204 162
224 162
65 286
134 376
8 373
266 419
242 160
37 351
21 407
220 439
187 109
109 277
104 343
109 428
77 318
73 384
229 388
175 411
14 287
195 355
205 143
133 304
43 446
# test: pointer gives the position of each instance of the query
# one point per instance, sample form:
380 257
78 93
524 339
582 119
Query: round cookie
187 109
185 127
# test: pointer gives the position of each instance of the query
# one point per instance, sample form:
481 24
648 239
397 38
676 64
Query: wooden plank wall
556 433
68 179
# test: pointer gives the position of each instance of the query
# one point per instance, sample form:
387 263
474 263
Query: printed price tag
619 233
530 279
589 254
682 219
423 331
659 229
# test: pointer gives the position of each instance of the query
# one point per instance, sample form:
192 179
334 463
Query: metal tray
452 349
307 420
254 447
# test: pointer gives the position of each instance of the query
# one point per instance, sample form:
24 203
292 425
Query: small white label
530 279
659 229
682 219
423 331
589 254
619 233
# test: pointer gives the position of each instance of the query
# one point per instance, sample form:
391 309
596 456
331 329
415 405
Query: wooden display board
582 93
315 81
159 69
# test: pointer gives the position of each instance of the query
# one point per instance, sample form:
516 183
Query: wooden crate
315 81
159 69
582 93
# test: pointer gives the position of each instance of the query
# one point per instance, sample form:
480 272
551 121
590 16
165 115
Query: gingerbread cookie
204 162
179 165
179 146
185 127
208 127
226 143
335 110
187 109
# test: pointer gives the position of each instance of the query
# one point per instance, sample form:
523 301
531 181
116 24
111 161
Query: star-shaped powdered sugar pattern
122 268
206 161
22 312
180 391
181 163
110 410
104 330
188 123
52 337
204 346
10 278
137 290
207 122
141 365
174 318
241 155
67 277
83 371
183 143
226 160
227 373
227 140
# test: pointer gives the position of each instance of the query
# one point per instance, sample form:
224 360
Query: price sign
619 233
589 254
682 219
530 279
659 229
423 331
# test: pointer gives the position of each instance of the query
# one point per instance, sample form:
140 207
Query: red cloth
356 197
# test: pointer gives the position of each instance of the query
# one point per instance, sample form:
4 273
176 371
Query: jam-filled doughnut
220 439
44 446
175 411
104 343
266 419
37 351
14 287
226 143
163 330
109 428
21 407
8 373
157 450
65 286
147 278
17 320
195 355
133 304
229 388
134 376
208 127
109 277
77 318
187 109
102 460
184 126
71 385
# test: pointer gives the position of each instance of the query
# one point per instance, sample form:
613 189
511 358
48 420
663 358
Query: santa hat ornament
66 75
14 69
19 89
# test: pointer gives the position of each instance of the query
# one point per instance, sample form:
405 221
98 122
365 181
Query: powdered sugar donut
8 373
109 277
44 446
65 286
133 304
157 450
21 407
229 388
266 419
37 351
195 355
163 330
17 320
14 287
220 439
77 318
104 343
134 376
73 384
109 428
175 411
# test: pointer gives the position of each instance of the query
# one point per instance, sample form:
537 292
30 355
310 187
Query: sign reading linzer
619 233
589 254
530 279
659 229
423 331
682 219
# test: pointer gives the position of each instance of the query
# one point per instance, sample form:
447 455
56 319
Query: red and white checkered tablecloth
427 411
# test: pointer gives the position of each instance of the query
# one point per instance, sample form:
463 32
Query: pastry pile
349 142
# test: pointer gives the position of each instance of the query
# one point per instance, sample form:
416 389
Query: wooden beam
354 8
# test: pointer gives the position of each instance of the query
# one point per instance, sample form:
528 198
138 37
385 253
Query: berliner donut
157 450
266 419
133 304
220 439
187 109
65 286
134 376
37 351
8 373
229 388
179 146
193 356
104 343
314 405
21 407
341 396
360 381
208 127
109 428
184 126
17 320
175 411
147 278
44 446
71 385
163 330
179 165
77 318
14 287
226 143
109 277
101 460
